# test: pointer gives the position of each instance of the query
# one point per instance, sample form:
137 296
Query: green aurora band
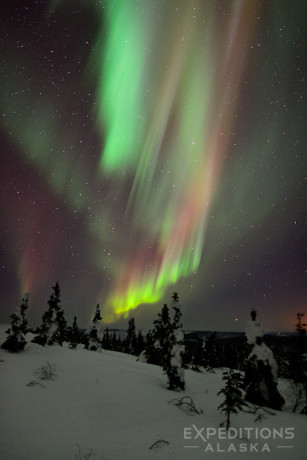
166 120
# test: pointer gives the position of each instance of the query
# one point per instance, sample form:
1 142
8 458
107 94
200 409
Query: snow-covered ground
117 408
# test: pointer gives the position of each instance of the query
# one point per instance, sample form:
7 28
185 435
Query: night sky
153 146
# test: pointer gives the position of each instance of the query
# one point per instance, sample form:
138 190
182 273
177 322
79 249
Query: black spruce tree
16 341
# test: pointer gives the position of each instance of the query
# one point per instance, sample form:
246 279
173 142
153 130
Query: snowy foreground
116 408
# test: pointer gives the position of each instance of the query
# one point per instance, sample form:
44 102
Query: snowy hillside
116 408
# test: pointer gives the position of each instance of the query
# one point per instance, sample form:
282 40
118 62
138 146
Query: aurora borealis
151 146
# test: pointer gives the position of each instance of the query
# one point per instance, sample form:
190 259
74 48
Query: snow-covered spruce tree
130 341
161 335
175 348
73 335
95 332
232 391
260 369
15 340
53 329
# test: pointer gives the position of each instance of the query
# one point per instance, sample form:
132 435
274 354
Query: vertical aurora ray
167 118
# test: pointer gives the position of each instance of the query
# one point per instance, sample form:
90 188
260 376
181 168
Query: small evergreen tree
94 334
233 402
131 340
300 327
173 362
260 369
53 329
60 334
161 336
97 318
92 343
73 335
16 341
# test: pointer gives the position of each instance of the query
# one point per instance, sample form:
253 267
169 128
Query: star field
154 146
